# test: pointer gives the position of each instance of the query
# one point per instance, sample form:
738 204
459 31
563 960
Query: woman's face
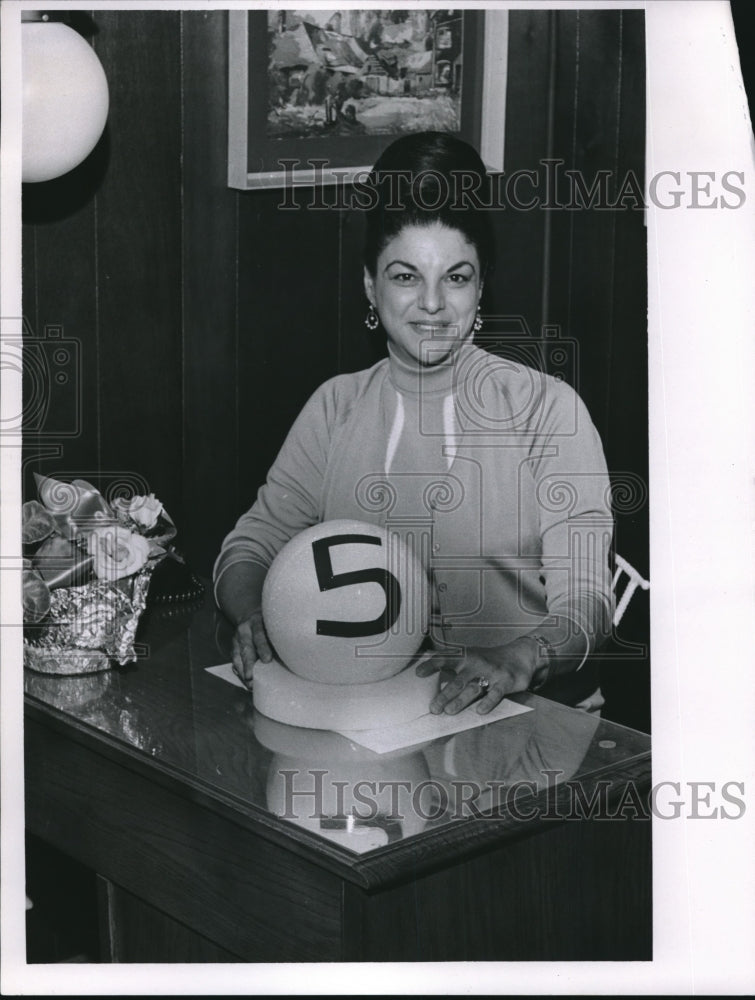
426 289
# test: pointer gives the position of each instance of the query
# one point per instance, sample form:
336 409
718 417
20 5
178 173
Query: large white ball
346 602
65 100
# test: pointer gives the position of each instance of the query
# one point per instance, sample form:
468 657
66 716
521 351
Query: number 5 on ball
346 602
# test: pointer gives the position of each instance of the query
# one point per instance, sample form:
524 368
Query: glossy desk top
318 793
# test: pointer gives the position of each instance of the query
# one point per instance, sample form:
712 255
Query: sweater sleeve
290 499
573 497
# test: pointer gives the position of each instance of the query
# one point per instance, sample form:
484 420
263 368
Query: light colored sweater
495 468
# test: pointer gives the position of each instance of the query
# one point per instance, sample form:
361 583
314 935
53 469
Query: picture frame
281 139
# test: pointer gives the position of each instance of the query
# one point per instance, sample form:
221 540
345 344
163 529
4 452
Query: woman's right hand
239 596
250 643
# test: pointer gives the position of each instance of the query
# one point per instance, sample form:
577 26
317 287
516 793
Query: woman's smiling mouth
423 326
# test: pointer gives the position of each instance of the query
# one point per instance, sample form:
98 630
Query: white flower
117 552
145 511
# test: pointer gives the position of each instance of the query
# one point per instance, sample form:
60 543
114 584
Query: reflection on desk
363 800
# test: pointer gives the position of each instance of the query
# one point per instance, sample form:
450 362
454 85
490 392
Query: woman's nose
431 298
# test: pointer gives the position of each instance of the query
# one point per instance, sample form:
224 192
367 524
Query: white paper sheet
430 727
225 672
408 734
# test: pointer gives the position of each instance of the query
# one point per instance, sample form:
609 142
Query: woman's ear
369 286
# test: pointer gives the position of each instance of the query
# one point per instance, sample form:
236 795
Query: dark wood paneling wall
106 266
214 382
138 238
206 316
588 111
579 78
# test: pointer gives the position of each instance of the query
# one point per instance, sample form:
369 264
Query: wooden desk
159 777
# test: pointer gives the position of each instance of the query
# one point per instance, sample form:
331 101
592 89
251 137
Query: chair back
626 587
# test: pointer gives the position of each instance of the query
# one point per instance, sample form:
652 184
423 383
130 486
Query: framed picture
316 95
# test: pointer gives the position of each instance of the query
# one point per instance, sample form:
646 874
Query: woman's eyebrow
411 267
401 263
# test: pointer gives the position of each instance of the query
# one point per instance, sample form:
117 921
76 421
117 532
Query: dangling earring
477 325
371 320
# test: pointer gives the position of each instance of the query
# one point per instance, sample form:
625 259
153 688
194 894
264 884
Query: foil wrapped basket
88 626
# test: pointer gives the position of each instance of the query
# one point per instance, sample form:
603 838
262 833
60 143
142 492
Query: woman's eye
459 279
403 278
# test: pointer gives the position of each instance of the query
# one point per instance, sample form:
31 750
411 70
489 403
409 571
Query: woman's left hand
507 669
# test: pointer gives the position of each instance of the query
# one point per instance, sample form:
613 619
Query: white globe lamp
65 99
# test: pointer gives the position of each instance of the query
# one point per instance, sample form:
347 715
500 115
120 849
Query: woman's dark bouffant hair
424 178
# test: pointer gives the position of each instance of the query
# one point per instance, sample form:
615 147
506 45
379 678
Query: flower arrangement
86 574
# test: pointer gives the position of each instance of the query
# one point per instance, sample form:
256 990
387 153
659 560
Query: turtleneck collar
411 378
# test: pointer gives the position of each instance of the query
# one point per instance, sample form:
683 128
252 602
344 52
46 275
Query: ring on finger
482 683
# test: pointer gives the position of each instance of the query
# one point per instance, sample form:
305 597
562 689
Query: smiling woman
427 284
494 470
